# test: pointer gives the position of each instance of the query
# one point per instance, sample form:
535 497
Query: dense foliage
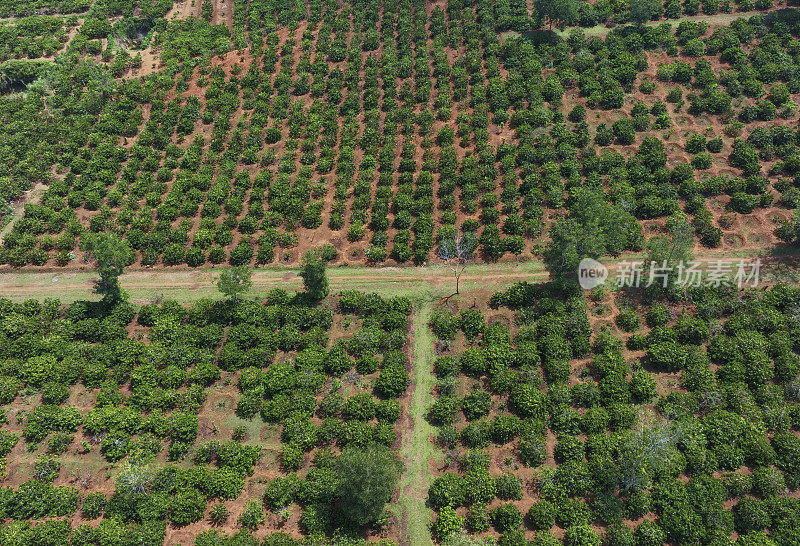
391 127
612 435
147 412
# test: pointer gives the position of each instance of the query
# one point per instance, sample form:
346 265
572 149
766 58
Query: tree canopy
560 12
645 10
367 479
315 277
593 228
111 255
235 281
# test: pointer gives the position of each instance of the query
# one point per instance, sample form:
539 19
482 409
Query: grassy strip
718 19
187 285
418 450
601 30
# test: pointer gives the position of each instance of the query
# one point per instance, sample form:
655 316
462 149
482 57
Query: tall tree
315 277
367 478
668 252
457 251
560 12
235 281
645 451
645 10
111 255
593 228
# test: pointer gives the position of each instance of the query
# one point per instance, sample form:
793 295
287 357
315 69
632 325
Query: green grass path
602 30
186 285
417 449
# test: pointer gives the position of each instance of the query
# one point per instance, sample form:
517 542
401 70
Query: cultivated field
277 273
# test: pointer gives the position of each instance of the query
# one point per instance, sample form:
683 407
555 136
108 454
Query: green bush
508 487
581 535
447 523
628 320
750 515
569 448
478 519
649 534
445 366
360 407
768 482
573 512
447 490
444 410
642 386
532 450
93 505
479 486
542 515
393 378
476 405
281 491
186 507
506 517
527 401
620 535
252 516
658 315
471 323
54 393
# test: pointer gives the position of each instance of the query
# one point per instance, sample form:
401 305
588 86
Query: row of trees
34 37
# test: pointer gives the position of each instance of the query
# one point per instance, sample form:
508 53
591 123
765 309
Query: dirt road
145 285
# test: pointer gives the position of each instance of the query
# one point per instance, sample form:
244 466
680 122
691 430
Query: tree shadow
542 36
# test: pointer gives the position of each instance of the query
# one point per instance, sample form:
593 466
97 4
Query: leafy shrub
648 533
252 516
93 505
506 517
476 404
658 315
581 535
446 523
447 490
532 450
542 515
573 512
393 379
471 323
478 519
750 515
628 320
569 448
508 487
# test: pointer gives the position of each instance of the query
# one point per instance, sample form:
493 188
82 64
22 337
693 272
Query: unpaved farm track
185 285
33 196
145 285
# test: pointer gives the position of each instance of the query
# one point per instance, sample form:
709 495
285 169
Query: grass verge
418 450
187 285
